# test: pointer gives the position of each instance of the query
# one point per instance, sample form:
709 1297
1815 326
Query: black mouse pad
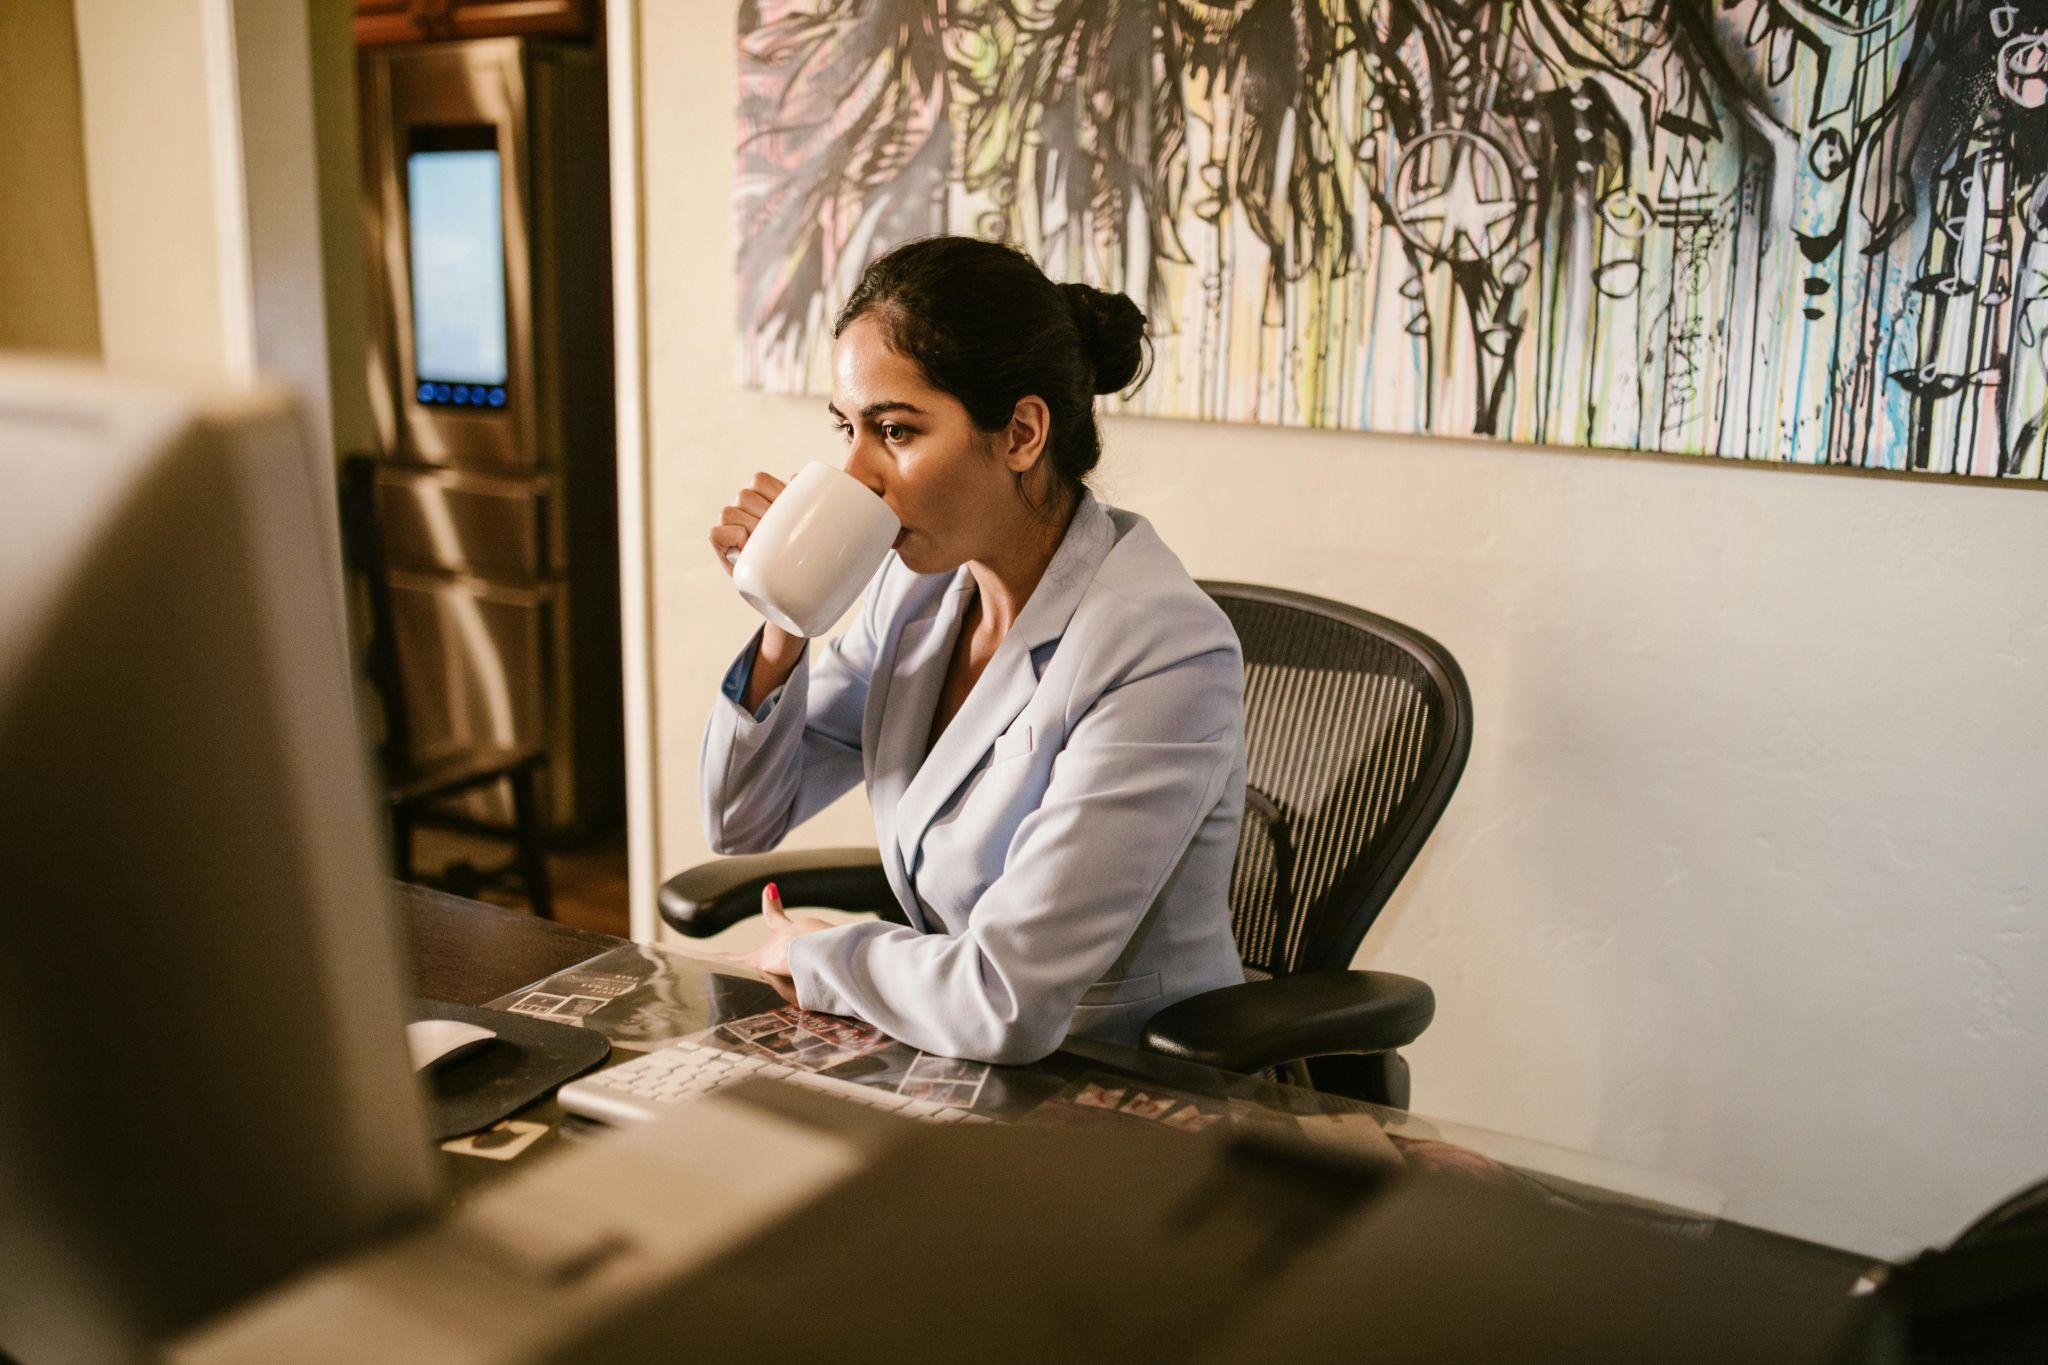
527 1059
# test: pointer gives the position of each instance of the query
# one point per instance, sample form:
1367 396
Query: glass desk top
641 997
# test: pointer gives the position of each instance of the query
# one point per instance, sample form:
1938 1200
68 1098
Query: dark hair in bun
1112 332
985 325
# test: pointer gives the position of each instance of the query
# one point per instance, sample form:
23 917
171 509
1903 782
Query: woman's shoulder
1144 596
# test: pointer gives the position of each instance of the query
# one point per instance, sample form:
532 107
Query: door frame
629 321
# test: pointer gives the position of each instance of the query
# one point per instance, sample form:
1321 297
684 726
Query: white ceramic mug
817 546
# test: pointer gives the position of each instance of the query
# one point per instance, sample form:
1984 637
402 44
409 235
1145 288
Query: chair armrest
719 894
1315 1014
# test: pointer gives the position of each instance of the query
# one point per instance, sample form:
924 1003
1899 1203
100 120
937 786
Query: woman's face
949 482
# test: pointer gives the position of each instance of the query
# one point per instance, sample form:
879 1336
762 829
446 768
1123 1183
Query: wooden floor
589 881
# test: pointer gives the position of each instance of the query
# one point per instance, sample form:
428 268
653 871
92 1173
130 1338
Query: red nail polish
773 892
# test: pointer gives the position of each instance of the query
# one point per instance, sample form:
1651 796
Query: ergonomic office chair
413 785
1356 732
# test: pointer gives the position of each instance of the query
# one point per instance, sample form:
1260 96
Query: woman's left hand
771 959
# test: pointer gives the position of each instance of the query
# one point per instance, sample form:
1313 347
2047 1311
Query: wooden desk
469 952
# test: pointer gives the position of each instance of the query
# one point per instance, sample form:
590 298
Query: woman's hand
738 518
777 657
771 959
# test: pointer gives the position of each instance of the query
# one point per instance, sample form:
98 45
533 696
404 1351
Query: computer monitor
203 1077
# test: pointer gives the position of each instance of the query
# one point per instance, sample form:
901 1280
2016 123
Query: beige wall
153 177
333 40
47 299
208 203
202 170
1743 880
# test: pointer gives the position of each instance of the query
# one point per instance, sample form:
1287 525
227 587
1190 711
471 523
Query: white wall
1742 880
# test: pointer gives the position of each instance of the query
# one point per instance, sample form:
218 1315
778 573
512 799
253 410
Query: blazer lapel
1005 685
902 695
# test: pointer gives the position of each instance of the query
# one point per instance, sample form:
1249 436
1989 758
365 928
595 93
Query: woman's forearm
774 661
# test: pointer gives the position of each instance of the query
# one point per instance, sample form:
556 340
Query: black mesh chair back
1356 730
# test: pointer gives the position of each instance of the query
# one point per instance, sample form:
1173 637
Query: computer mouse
435 1042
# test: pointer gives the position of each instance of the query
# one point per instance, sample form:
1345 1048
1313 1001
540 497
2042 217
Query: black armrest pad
1315 1014
716 895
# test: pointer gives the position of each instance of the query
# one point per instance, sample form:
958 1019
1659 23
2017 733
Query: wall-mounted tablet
455 208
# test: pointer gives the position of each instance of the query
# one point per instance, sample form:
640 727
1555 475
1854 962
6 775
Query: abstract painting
1804 231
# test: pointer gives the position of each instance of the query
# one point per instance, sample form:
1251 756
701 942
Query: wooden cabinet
410 21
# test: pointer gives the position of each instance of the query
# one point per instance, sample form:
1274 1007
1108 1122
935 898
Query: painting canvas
1805 231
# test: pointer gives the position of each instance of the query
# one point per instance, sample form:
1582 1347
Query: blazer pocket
1123 991
1014 743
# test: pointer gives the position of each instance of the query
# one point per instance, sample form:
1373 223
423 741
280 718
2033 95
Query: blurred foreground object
767 1223
203 1077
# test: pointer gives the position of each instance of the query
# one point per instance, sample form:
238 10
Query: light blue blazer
1063 853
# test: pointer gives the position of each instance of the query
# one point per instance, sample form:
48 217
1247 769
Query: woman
1048 713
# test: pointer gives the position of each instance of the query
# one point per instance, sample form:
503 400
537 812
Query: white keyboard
650 1086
